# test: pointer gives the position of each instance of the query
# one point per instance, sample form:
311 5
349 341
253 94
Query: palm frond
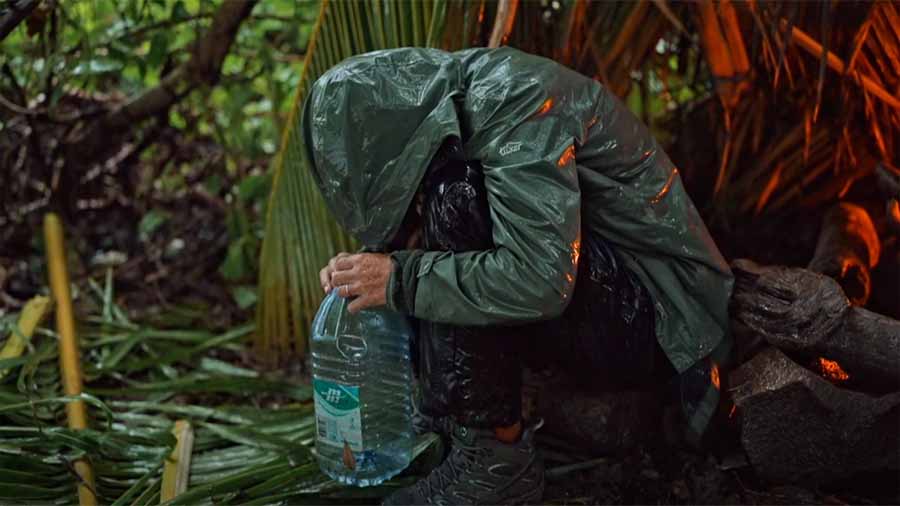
300 234
251 445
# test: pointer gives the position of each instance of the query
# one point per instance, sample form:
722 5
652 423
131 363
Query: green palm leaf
300 234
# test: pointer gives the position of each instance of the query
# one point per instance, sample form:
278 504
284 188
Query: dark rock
797 426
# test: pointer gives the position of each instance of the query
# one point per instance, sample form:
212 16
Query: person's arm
529 275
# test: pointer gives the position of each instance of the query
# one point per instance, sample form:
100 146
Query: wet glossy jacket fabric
558 151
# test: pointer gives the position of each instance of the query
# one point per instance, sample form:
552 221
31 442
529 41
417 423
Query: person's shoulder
490 57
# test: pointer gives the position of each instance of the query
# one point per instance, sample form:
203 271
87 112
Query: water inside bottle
362 382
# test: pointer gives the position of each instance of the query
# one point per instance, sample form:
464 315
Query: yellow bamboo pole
29 319
506 17
718 53
69 363
732 29
176 469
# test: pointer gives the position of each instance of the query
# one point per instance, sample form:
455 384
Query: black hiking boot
481 470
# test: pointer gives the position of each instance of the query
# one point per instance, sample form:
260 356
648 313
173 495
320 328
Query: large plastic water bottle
362 384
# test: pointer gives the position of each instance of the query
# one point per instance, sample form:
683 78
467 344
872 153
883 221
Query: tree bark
18 11
847 249
97 139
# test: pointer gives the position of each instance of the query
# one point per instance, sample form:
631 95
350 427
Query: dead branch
203 68
18 11
834 61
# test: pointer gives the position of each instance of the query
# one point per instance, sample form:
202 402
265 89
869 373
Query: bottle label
337 414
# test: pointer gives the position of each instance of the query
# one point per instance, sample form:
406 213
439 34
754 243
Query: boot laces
462 458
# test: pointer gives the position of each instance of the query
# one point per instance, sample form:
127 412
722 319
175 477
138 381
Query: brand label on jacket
510 148
337 414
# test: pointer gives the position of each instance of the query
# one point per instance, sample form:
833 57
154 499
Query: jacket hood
371 125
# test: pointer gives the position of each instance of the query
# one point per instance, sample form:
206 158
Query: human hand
328 270
364 276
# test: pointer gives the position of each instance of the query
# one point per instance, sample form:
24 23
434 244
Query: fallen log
797 426
848 247
801 311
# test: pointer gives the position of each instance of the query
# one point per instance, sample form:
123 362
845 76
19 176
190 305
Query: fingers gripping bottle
362 388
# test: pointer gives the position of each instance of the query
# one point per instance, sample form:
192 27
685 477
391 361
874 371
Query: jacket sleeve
534 200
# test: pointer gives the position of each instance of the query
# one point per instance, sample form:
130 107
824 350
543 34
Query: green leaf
159 48
224 368
297 219
244 296
179 11
213 184
254 187
96 66
236 265
150 223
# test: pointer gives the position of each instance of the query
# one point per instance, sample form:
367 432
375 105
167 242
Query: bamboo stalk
570 36
177 467
834 61
69 363
631 25
723 45
31 316
503 25
663 6
717 50
735 39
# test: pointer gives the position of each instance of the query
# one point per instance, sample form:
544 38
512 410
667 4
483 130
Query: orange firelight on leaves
832 370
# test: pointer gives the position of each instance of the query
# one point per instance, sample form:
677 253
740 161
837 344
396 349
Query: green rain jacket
560 154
